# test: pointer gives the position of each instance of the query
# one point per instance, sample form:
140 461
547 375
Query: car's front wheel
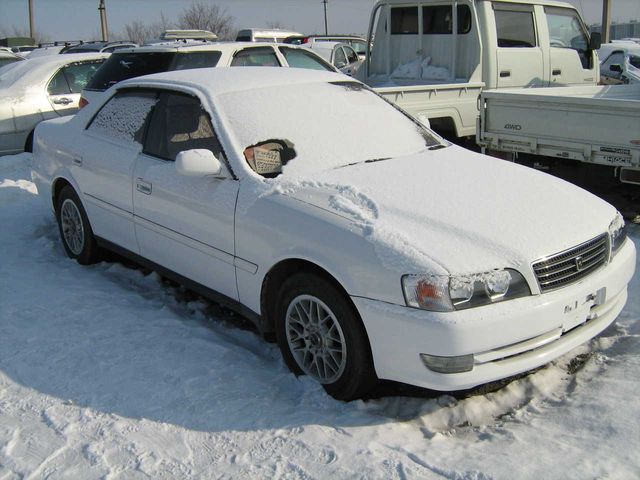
321 335
75 230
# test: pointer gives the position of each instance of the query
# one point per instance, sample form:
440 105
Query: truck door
519 55
570 59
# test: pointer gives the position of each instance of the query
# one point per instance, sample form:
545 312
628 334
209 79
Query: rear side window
73 78
515 29
404 20
438 19
298 58
188 60
122 66
255 57
179 123
124 116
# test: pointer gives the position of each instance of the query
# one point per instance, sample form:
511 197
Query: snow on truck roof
550 3
218 81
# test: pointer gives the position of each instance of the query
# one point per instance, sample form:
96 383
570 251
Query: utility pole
326 29
32 30
606 20
103 21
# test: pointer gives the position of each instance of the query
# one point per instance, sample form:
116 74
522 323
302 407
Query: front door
185 224
570 59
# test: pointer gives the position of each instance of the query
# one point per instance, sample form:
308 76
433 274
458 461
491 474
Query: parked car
96 46
8 57
23 50
272 35
38 89
180 56
340 55
369 246
359 44
619 63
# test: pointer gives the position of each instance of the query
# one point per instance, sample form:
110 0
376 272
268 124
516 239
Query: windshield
305 128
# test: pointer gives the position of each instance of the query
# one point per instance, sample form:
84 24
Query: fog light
462 363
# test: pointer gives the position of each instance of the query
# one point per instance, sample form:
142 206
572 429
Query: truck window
566 31
515 29
404 21
438 19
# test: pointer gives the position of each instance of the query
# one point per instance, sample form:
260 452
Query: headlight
443 293
617 233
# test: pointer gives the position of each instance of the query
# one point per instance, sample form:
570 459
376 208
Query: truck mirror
595 41
615 68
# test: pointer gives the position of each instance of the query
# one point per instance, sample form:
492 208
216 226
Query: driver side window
179 123
566 31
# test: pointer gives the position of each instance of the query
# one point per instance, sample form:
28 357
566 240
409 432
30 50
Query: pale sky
79 19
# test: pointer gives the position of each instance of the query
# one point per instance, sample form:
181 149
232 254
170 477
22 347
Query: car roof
189 46
218 81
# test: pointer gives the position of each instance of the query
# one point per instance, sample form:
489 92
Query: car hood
455 211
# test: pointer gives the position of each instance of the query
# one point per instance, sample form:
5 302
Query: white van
273 35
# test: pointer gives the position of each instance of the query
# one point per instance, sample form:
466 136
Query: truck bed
593 124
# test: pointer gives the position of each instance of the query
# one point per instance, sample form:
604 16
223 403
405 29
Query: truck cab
510 43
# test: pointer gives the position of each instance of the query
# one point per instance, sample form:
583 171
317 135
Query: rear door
184 223
67 83
103 164
519 54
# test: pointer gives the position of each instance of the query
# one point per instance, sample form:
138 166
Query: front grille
571 265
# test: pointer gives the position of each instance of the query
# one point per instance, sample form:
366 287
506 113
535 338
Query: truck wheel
75 230
321 335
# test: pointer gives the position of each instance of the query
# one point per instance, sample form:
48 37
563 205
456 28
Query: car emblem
579 263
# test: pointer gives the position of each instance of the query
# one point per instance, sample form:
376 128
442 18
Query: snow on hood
458 211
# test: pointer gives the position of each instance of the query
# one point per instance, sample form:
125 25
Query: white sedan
39 89
369 246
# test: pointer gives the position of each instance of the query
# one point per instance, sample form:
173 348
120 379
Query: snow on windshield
328 125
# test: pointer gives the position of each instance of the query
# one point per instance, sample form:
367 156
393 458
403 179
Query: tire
320 334
75 230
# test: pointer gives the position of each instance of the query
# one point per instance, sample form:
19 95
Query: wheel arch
275 277
56 187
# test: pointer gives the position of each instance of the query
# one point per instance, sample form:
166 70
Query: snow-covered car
151 59
369 246
39 89
619 63
340 55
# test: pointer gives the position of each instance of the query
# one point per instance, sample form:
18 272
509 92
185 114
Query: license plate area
580 310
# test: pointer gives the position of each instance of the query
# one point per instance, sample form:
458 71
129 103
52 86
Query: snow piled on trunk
109 372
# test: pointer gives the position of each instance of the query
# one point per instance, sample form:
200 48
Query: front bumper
506 338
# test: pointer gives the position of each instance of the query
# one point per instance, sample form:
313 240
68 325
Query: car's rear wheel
75 231
321 335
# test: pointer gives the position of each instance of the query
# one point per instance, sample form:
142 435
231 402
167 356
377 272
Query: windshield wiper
371 160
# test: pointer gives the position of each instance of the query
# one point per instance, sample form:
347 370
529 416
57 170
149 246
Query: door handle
143 187
557 71
62 101
77 161
505 73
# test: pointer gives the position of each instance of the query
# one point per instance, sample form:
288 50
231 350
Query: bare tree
138 31
201 15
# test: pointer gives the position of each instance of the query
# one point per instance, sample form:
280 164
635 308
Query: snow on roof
218 81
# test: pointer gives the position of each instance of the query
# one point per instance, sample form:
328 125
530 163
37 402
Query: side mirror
199 163
595 41
615 68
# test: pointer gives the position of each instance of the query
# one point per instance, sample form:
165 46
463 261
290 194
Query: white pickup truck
594 125
434 57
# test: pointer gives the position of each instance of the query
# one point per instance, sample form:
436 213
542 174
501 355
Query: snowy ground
108 373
